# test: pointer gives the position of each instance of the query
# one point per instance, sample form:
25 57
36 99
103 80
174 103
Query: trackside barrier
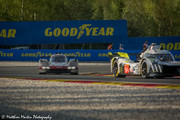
63 32
171 43
78 32
81 55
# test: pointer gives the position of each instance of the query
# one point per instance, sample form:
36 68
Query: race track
93 72
94 94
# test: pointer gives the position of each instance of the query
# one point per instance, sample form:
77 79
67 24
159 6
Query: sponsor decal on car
126 68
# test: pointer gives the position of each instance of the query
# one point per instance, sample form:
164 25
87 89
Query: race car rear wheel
144 69
74 73
44 72
116 70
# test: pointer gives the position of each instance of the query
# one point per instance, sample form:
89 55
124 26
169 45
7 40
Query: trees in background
145 17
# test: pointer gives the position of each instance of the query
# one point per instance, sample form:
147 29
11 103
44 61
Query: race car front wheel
116 70
76 73
144 69
42 71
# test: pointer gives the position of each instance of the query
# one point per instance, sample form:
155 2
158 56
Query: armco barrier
81 55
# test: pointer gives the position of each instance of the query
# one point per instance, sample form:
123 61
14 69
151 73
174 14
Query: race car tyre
160 77
116 70
74 73
144 69
43 73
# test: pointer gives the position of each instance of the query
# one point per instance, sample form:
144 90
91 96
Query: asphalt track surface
23 92
86 73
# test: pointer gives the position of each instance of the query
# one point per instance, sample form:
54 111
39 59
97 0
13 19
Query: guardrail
81 55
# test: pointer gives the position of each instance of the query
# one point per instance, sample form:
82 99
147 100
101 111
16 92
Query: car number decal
126 68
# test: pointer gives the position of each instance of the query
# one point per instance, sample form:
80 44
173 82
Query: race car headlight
45 67
71 67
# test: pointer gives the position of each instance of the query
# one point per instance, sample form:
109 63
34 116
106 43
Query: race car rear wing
118 54
48 56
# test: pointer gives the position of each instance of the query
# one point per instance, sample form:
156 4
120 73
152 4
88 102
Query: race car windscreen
58 59
165 57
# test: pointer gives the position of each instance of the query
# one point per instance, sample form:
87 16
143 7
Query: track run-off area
93 94
88 73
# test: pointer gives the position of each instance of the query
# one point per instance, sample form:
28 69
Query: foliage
145 17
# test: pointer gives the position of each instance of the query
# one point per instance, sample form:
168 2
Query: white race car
58 63
152 62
